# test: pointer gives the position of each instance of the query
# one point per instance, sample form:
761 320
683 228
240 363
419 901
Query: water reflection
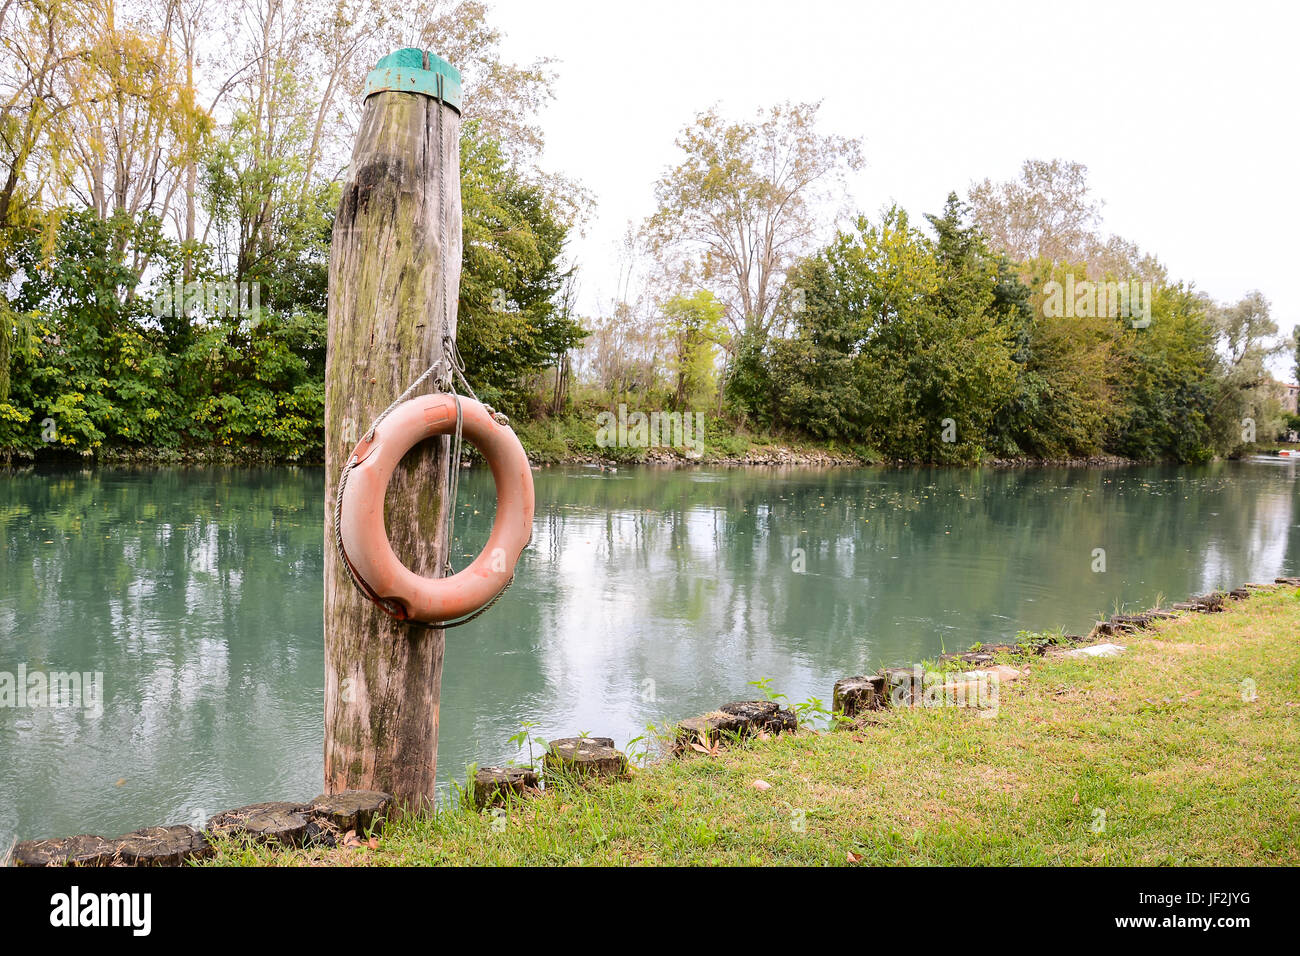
647 595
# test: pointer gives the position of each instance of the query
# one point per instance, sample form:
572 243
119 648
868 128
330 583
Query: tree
1247 340
1065 394
151 143
1246 333
901 341
1165 382
137 123
621 354
509 322
1049 214
40 39
1295 353
694 328
88 359
746 201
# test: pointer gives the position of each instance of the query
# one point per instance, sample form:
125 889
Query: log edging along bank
325 821
330 820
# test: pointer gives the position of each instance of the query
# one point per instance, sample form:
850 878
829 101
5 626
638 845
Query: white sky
1186 114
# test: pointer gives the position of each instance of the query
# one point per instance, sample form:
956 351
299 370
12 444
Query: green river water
647 595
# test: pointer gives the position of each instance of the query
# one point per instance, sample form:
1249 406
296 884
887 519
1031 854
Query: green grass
572 437
1161 740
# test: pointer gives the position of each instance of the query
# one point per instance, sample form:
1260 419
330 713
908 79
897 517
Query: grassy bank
1158 756
569 438
572 437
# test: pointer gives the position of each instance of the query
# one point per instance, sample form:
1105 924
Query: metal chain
455 370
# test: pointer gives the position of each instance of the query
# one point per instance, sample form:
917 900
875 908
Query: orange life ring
401 592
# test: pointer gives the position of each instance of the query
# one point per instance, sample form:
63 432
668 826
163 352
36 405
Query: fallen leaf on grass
705 747
854 858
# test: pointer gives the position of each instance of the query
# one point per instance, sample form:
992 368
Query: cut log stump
739 718
711 729
282 823
585 757
902 686
1213 601
762 715
352 809
493 786
857 695
1134 621
82 850
162 846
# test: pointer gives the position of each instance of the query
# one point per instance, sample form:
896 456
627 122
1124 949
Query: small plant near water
813 710
764 686
525 738
637 750
462 794
809 713
1036 641
941 666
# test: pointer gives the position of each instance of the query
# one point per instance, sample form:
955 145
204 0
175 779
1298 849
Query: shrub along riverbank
1180 751
573 438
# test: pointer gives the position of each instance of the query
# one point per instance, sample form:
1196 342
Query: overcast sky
1186 114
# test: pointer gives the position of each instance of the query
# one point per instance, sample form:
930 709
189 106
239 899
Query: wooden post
387 276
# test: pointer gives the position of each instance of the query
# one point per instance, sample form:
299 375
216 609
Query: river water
647 595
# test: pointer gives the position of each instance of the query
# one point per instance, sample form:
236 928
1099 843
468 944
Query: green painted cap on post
416 71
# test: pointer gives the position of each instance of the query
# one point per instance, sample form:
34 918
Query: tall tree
748 198
1247 339
1049 213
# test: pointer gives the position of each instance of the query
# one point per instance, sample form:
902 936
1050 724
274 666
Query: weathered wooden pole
391 282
